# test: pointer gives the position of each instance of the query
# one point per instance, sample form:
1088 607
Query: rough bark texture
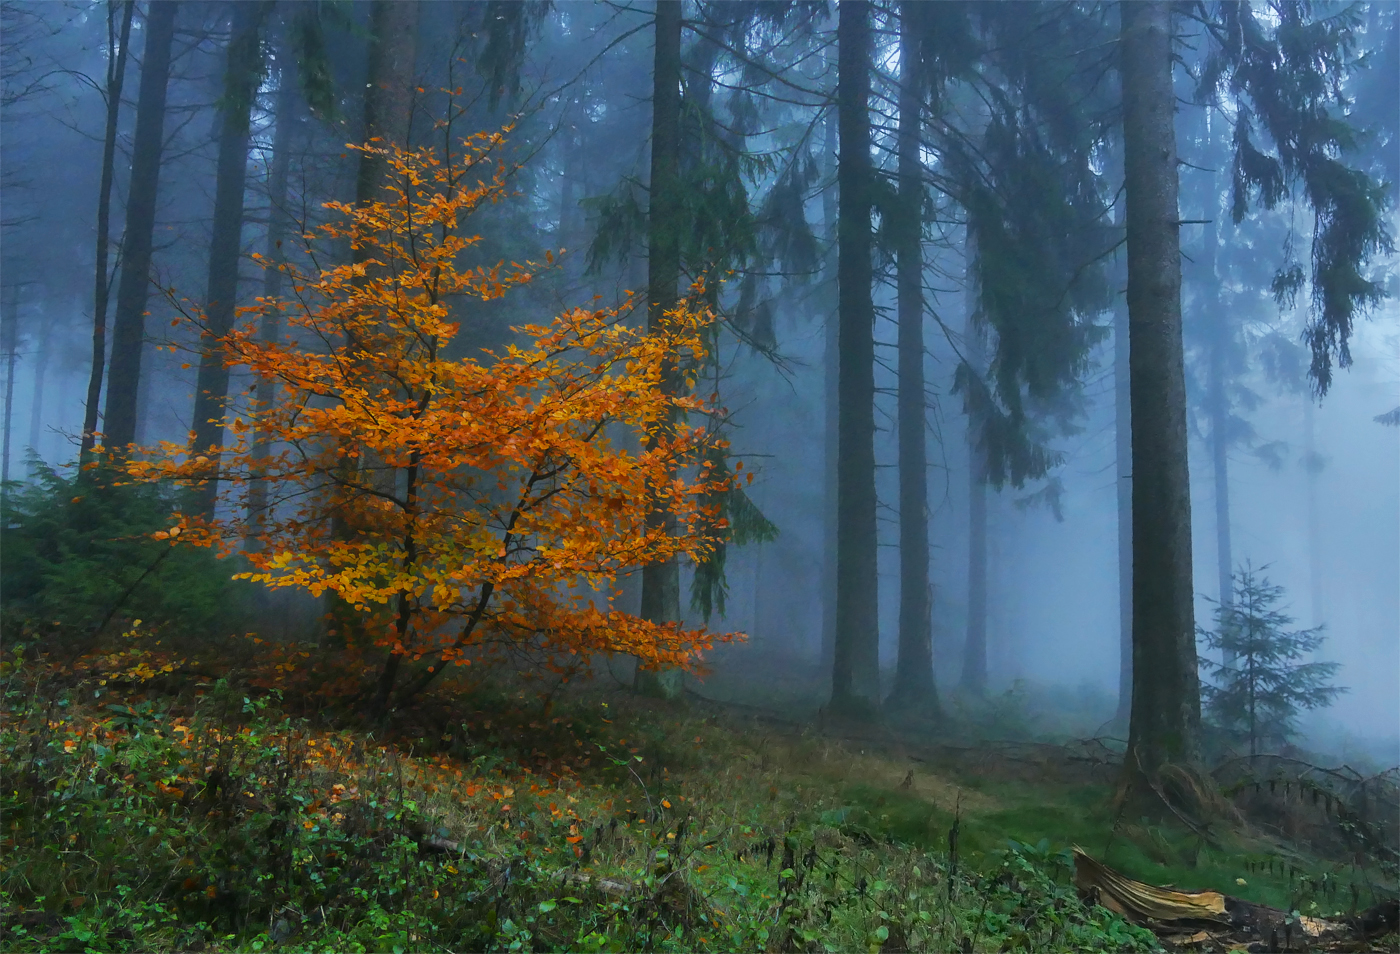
129 321
279 224
855 668
241 71
1166 690
661 582
117 45
913 680
1123 446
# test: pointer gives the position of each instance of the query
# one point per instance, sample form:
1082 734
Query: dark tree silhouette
117 49
856 666
242 71
129 320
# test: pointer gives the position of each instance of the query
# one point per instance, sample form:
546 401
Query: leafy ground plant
214 819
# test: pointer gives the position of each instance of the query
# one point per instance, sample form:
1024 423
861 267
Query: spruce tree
1256 695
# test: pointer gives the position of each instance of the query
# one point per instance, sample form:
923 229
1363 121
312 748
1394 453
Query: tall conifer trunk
974 663
9 342
856 666
974 669
913 681
118 42
1219 406
1312 467
279 224
129 321
1166 690
661 585
393 50
241 72
36 401
831 351
1123 453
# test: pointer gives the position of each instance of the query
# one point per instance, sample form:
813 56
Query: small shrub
78 550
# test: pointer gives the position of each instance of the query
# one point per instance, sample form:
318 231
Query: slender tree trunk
243 60
1219 411
974 663
118 42
389 92
1312 464
569 185
831 352
128 324
36 401
974 671
856 666
661 581
279 224
9 342
1166 688
759 629
913 681
1123 447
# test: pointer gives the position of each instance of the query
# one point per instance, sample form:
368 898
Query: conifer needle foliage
1263 682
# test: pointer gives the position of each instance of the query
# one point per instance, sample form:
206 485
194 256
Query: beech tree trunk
118 41
242 62
129 319
913 681
661 584
1166 690
856 666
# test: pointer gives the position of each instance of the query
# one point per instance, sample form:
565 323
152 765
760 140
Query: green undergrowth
204 815
216 819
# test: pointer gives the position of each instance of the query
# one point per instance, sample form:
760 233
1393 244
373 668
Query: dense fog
1313 482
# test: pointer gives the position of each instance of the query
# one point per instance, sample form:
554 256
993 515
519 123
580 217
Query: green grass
202 815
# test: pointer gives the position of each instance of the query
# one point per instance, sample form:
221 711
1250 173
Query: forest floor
157 804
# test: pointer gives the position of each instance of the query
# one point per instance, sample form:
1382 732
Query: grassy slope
188 816
1058 788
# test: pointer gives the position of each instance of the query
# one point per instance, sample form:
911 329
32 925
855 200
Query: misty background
1314 488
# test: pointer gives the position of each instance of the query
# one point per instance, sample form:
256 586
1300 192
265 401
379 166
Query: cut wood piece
1209 920
1142 903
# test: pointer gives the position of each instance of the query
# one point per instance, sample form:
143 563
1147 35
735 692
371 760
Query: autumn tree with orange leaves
457 505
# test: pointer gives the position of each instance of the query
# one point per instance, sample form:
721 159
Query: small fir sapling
1256 693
